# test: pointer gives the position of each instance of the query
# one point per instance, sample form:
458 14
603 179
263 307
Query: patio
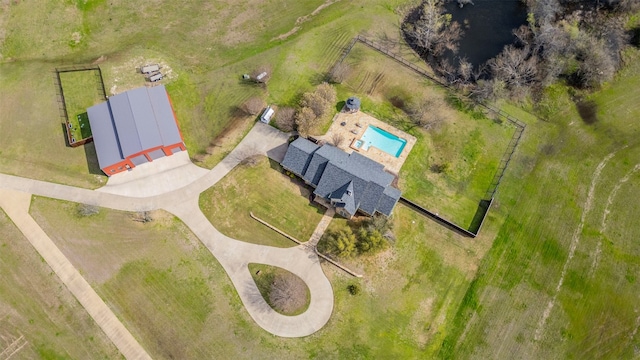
351 126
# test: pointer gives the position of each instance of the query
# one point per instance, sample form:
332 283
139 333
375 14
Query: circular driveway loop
180 197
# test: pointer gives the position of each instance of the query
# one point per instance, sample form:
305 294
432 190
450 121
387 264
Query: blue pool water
382 140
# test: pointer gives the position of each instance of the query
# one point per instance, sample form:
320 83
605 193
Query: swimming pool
382 140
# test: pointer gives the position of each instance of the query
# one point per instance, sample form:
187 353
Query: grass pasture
81 89
559 201
468 143
270 195
39 317
174 297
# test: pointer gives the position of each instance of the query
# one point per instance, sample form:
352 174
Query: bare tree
85 210
337 139
253 106
434 31
288 293
306 119
248 155
142 216
285 119
339 73
429 112
516 67
321 100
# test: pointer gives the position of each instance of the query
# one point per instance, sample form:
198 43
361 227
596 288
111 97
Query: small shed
155 77
266 115
148 69
352 104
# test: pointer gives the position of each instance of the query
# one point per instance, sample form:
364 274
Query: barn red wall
122 166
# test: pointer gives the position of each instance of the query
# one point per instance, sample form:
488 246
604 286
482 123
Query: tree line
571 40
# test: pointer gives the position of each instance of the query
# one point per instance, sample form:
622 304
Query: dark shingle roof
333 172
298 156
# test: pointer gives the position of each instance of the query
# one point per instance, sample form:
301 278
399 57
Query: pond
488 26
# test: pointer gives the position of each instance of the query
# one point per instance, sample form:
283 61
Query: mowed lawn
81 91
204 48
571 224
39 317
271 195
468 143
177 300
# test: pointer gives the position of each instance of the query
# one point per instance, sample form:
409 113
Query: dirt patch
125 75
303 19
420 325
287 34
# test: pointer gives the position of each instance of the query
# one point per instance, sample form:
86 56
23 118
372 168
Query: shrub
354 289
85 210
253 106
367 238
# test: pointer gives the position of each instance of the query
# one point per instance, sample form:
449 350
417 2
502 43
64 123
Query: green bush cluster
358 238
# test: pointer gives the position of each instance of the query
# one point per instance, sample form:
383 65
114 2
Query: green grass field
551 237
176 299
555 201
272 196
470 143
81 91
39 317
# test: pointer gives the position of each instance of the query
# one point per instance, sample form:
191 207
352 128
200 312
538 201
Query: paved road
234 255
16 205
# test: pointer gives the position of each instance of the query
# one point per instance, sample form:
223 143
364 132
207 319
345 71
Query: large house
133 128
350 182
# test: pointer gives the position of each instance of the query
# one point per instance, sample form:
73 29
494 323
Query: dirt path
607 211
575 240
16 205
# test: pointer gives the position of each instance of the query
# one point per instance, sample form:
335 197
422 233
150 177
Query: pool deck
355 126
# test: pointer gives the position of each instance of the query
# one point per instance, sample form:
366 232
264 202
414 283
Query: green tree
340 243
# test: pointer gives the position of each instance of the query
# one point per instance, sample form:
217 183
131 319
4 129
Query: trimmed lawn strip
270 195
80 89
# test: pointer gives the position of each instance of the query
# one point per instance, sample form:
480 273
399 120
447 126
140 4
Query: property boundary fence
487 201
62 105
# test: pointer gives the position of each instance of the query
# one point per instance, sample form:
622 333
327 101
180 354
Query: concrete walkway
16 205
322 227
234 255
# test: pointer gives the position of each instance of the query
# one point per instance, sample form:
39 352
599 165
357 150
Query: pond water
488 26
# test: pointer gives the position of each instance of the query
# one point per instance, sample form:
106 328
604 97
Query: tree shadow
635 37
340 105
588 111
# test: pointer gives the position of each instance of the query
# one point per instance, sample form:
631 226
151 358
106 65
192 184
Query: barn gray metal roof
132 122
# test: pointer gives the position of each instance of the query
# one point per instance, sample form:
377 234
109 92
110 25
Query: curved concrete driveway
234 255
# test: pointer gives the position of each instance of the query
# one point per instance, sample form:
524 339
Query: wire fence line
62 105
487 201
